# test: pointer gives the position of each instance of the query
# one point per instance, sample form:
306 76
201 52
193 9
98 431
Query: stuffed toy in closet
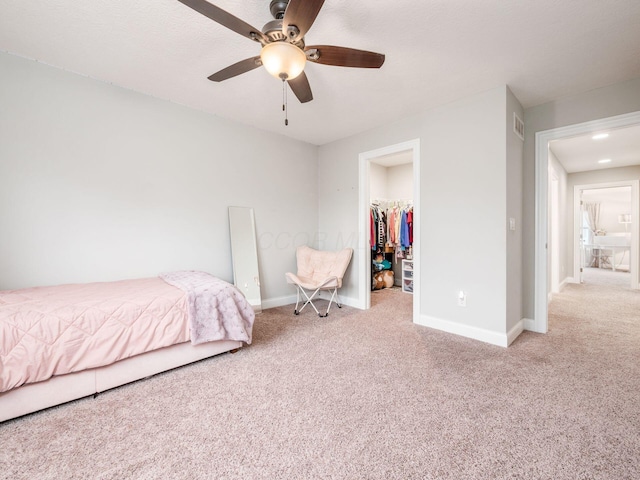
382 275
382 280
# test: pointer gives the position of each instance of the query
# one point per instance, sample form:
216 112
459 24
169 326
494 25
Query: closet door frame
364 263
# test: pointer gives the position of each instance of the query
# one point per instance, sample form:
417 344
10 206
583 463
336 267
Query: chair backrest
320 265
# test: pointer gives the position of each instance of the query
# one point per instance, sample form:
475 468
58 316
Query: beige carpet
606 277
366 395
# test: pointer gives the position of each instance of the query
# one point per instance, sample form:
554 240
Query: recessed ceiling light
600 136
605 160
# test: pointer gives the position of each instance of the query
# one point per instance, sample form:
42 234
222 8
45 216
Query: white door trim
554 239
364 265
541 192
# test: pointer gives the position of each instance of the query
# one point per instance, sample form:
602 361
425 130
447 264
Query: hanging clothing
404 231
371 230
382 229
390 230
378 231
390 227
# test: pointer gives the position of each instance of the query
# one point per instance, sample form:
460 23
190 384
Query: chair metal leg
338 301
308 300
333 295
297 300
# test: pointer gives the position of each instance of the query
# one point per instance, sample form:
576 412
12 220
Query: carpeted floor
366 395
606 277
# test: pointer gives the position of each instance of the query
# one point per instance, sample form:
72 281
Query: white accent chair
319 271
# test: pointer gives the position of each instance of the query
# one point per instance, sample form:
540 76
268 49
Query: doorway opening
569 242
602 220
390 176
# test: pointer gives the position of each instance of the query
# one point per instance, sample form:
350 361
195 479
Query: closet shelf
407 276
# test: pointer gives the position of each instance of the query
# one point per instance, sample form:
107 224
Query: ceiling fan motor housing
278 8
273 30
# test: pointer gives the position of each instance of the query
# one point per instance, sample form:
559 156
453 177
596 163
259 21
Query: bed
66 342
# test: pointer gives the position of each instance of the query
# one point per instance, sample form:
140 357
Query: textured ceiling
436 51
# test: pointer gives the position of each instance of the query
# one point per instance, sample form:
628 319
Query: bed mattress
47 331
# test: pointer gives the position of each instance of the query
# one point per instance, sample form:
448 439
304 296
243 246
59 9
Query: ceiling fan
284 52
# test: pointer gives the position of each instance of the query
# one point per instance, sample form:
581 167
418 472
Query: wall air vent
518 126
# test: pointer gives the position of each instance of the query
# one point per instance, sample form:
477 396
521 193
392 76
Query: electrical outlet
462 299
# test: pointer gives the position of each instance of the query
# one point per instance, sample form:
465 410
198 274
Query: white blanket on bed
217 309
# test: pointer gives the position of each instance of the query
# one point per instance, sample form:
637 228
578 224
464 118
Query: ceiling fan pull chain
284 102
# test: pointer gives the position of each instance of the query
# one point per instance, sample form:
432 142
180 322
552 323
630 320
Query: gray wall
515 147
596 104
100 183
462 210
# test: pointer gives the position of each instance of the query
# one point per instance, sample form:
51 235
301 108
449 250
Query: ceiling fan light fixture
283 60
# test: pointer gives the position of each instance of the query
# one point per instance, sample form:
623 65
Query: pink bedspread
48 331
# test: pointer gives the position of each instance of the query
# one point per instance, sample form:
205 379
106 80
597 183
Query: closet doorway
389 179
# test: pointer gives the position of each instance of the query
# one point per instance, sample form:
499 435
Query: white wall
462 212
391 183
583 107
400 182
611 206
613 201
378 182
100 183
565 222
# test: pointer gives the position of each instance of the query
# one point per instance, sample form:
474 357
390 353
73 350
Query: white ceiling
581 153
394 159
436 51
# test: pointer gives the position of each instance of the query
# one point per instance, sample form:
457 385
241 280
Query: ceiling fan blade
243 66
300 14
225 19
344 57
301 88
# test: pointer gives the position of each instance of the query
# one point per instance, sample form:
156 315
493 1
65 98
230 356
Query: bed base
32 397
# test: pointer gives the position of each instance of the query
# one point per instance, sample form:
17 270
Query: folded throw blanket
217 309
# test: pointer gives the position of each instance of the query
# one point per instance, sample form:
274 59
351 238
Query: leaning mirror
244 254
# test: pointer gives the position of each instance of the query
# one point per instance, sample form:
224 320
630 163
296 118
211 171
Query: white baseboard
278 301
481 334
291 300
529 324
517 329
351 302
561 286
